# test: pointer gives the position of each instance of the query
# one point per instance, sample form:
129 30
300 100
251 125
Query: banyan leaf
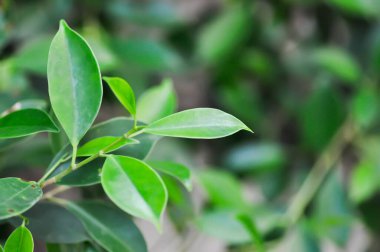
75 87
157 102
20 240
53 223
206 123
123 93
178 171
17 196
108 226
134 187
94 146
25 122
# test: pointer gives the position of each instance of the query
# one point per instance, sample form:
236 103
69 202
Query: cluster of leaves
133 185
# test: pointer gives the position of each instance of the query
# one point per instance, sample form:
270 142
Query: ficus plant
111 153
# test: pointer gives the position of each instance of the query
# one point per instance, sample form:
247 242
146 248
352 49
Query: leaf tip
63 24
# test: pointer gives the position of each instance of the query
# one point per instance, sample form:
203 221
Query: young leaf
134 187
108 226
178 171
157 102
20 240
94 146
123 92
206 123
75 87
17 196
25 122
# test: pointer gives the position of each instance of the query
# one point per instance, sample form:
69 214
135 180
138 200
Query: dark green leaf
206 123
157 102
109 227
134 187
75 87
54 224
123 92
25 122
17 196
20 240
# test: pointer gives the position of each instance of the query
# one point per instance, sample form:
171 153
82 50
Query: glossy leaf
25 122
109 227
206 123
123 93
94 146
20 240
134 187
17 196
53 223
117 127
157 102
178 171
75 87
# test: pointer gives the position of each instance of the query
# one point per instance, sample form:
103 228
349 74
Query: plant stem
129 134
55 191
320 169
74 156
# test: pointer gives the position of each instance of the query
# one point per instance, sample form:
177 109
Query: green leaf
338 63
368 8
25 122
119 126
17 196
259 157
53 223
87 175
157 102
364 183
251 227
224 34
75 87
229 195
94 146
134 187
223 225
1 249
123 92
178 171
365 106
109 227
20 240
206 123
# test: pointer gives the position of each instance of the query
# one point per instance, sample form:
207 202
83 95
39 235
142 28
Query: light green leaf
223 189
223 224
250 225
123 92
364 183
109 227
94 146
206 123
20 240
17 196
1 249
75 87
134 187
157 102
178 171
25 122
220 38
338 63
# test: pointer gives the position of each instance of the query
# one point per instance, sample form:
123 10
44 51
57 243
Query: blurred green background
303 74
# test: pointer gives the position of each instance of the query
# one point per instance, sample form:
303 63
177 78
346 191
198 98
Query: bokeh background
303 74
